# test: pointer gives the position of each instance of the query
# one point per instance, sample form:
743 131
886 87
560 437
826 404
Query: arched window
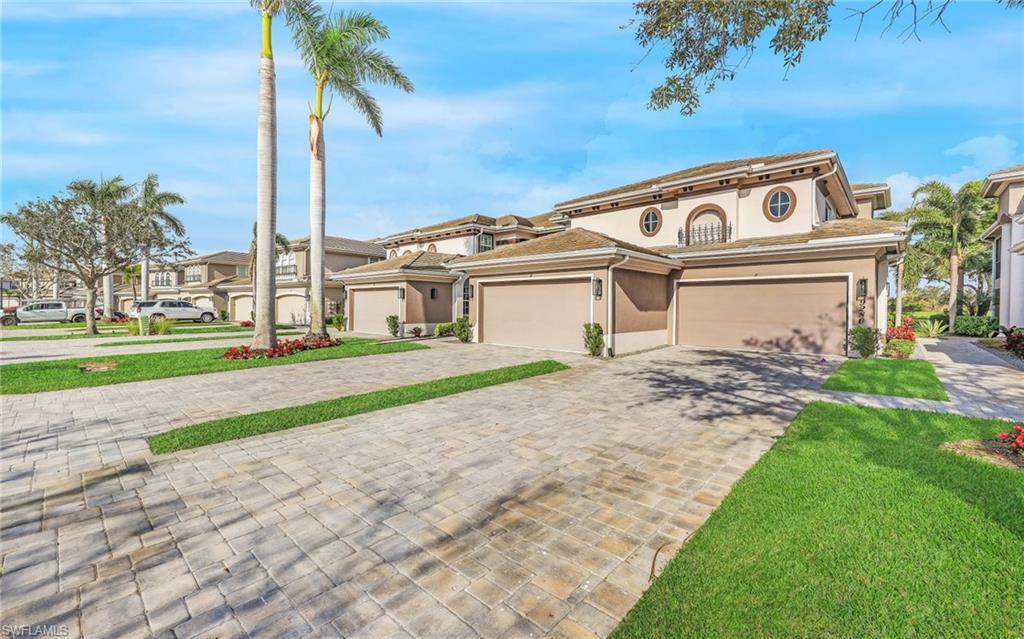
393 253
779 203
650 222
432 248
706 224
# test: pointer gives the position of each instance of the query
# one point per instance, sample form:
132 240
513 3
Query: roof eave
877 239
548 257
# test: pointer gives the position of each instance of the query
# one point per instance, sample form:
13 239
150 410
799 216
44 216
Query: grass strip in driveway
230 428
855 524
140 342
897 377
62 374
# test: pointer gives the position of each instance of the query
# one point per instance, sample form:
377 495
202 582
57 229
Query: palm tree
153 202
949 223
281 245
101 198
264 335
131 275
339 53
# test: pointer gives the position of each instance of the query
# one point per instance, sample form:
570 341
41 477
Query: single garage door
370 308
241 308
792 316
538 314
291 309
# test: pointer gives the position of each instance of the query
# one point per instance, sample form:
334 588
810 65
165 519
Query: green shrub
975 325
899 348
930 328
864 340
417 331
593 338
133 327
444 329
392 322
338 321
161 327
462 329
223 315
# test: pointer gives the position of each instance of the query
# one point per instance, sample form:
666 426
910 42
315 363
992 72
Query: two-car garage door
536 313
793 315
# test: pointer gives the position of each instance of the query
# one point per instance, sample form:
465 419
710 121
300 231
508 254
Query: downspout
814 195
457 294
610 341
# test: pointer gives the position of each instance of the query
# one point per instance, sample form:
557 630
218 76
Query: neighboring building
292 279
469 235
416 287
1007 238
775 253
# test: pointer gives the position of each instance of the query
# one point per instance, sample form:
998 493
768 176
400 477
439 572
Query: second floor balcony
705 234
286 270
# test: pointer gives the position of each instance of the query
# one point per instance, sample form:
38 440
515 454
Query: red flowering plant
247 323
906 331
1014 439
284 348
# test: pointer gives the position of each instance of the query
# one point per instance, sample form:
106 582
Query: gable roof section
879 192
418 260
346 245
997 181
567 241
219 257
702 170
833 230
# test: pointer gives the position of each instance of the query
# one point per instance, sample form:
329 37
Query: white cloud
985 154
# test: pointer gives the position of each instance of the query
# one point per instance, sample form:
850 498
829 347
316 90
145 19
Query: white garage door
291 309
370 308
540 314
241 308
792 316
203 300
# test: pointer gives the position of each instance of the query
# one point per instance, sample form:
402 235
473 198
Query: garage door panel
291 309
242 308
370 309
536 314
799 316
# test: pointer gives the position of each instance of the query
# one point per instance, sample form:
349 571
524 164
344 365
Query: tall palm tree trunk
108 296
144 278
264 335
317 213
899 292
954 286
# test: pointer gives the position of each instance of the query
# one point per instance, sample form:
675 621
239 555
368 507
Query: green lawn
900 377
138 342
227 429
122 331
36 377
854 525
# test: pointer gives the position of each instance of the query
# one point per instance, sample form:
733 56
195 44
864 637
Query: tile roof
544 219
421 260
485 220
346 245
210 283
1009 169
219 257
834 229
868 186
563 242
696 172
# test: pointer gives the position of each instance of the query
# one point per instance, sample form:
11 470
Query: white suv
172 309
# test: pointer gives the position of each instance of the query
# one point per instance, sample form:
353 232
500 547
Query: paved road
529 509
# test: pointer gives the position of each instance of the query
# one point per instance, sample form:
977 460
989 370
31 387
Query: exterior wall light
862 287
598 286
401 292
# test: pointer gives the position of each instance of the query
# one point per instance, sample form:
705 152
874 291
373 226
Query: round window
779 204
650 222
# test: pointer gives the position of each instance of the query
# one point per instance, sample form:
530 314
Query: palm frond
377 67
366 105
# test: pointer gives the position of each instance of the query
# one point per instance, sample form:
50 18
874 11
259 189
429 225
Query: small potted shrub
593 338
462 330
417 331
393 326
338 321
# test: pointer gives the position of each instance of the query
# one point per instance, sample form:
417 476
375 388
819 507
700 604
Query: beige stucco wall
743 208
217 271
340 261
420 309
865 208
642 301
461 245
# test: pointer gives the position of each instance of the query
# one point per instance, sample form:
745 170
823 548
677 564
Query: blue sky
517 106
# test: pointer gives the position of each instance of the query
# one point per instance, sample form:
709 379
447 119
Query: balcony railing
286 271
189 279
705 234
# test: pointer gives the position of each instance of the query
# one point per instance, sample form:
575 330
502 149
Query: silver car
173 310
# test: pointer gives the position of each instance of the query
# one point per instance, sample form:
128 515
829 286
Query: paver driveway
528 509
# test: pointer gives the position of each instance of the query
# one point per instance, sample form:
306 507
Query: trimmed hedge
975 326
899 348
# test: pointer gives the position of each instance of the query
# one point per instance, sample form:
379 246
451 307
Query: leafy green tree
710 40
340 56
131 275
949 224
102 197
154 203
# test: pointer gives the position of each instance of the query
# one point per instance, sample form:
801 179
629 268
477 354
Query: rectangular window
485 242
997 254
242 270
286 265
193 274
465 299
162 278
995 304
829 213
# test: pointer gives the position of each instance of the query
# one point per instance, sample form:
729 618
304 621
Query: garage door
793 316
203 300
370 308
291 309
241 308
537 314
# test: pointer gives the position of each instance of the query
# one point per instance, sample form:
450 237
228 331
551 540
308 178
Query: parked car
43 311
172 309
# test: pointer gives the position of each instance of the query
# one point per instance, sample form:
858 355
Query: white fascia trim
547 257
787 248
397 271
999 181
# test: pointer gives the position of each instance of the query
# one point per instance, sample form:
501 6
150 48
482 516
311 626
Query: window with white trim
484 242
